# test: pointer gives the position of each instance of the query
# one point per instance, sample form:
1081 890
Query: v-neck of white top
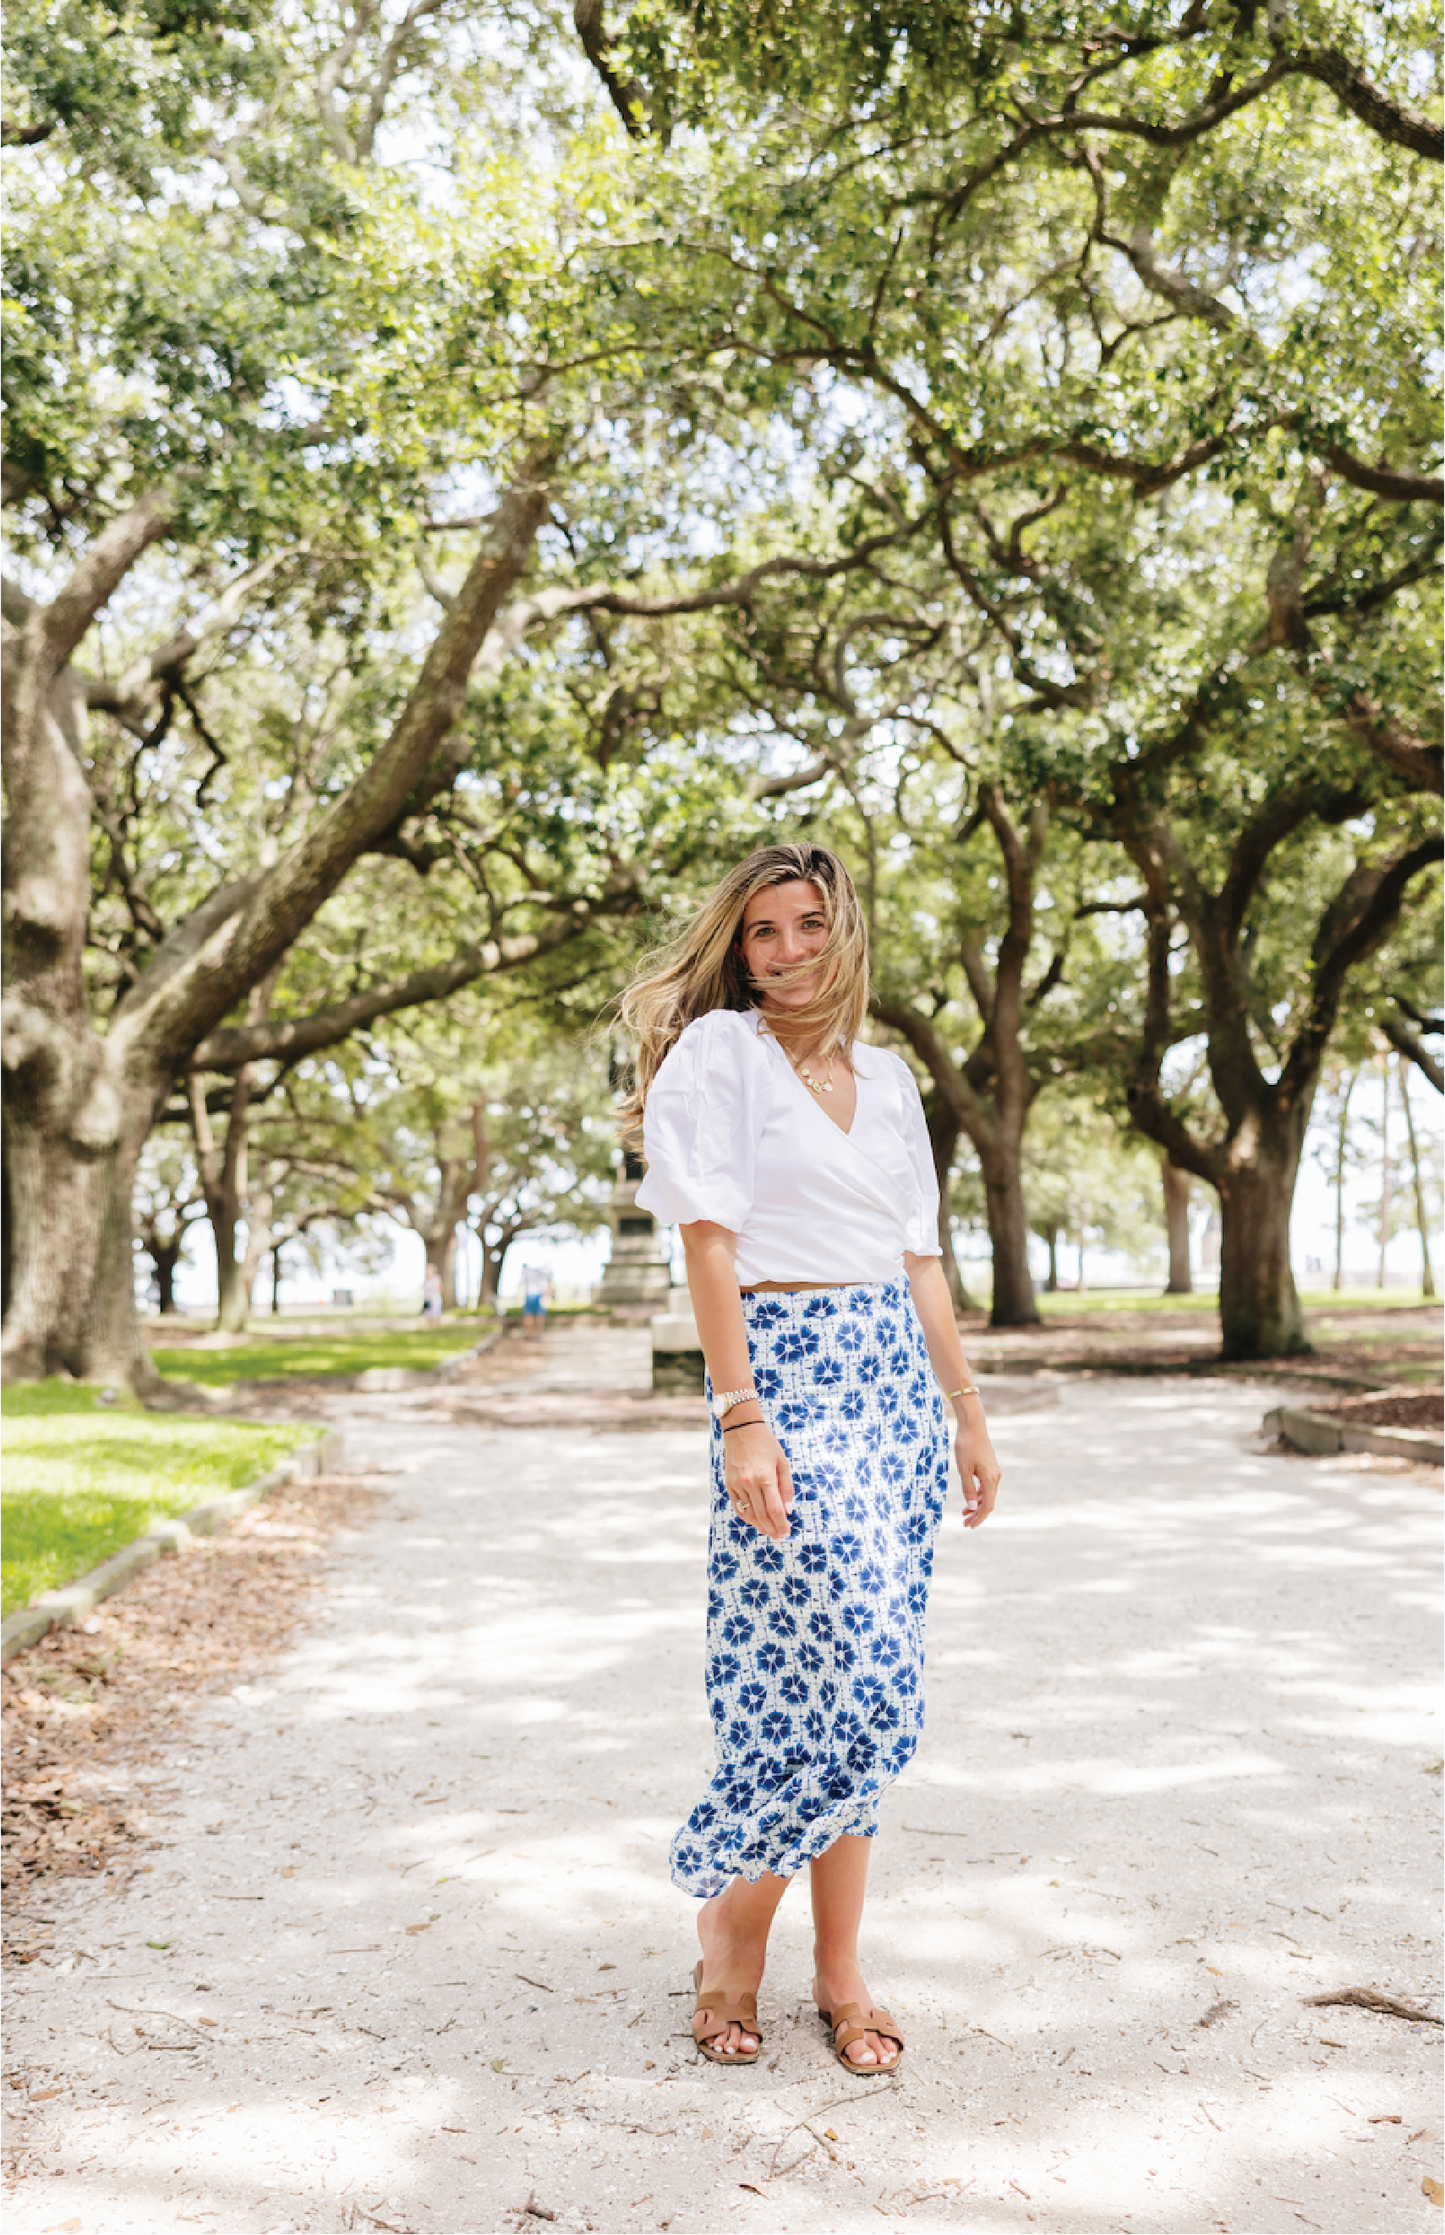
813 1101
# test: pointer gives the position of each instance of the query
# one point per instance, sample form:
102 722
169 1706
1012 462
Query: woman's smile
783 929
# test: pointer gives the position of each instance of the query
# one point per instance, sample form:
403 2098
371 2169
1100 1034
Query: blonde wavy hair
702 968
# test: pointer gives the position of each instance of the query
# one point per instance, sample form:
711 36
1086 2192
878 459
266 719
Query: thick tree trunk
233 1303
494 1253
943 1132
456 1177
1014 1301
1177 1186
260 1202
449 1272
510 1233
226 1184
78 1108
952 1270
441 1251
72 1303
6 1229
223 1177
165 1256
1254 1173
1259 1308
70 1154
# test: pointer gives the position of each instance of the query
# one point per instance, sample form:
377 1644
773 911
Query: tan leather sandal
848 2025
724 2010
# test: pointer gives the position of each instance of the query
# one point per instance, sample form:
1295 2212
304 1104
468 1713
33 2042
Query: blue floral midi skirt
815 1645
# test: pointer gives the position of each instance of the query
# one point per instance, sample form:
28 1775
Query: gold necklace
819 1086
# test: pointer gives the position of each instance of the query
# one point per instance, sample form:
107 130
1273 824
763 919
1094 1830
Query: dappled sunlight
1172 1782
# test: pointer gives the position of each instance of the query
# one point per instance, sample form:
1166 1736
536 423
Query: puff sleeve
921 1224
704 1112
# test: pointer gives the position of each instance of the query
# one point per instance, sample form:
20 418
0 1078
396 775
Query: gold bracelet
967 1390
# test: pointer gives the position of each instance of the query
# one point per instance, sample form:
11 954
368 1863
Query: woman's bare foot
836 1986
733 1955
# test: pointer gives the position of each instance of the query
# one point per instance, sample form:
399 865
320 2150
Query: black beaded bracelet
744 1424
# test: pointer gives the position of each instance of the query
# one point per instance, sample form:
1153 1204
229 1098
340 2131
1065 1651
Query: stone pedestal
637 1278
678 1368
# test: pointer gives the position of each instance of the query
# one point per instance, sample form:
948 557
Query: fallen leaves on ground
85 1710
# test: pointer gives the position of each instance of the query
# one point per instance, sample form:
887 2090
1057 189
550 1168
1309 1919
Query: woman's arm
756 1472
978 1469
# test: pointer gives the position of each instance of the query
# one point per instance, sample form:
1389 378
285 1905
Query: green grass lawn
1067 1303
81 1479
308 1355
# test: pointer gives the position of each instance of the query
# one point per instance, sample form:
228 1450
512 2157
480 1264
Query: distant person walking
796 1161
431 1294
536 1295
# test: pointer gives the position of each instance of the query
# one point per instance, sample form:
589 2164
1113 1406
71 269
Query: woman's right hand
758 1478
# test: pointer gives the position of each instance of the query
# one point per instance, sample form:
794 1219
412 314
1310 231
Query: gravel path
406 1956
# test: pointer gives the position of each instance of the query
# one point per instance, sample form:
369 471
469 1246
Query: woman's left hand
978 1471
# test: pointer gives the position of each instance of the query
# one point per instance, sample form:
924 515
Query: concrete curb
1321 1435
56 1609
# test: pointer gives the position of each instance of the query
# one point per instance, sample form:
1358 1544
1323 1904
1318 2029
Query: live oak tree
266 384
261 1188
1091 1184
463 1116
1275 848
987 1086
856 705
1139 303
168 1203
260 462
1057 281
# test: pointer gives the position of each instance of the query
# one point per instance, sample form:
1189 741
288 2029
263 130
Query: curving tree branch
1405 1037
625 94
228 1048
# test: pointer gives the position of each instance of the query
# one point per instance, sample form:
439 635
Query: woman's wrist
753 1420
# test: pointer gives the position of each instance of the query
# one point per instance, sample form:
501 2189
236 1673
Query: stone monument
638 1274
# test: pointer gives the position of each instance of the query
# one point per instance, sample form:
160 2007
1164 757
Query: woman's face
784 927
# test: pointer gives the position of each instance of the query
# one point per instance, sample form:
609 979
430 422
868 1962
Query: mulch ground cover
1396 1408
1368 1347
85 1714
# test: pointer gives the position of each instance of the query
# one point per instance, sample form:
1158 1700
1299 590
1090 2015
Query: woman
796 1162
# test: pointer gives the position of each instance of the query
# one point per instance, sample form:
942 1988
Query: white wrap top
732 1135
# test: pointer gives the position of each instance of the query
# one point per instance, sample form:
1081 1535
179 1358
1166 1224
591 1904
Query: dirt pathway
406 1956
